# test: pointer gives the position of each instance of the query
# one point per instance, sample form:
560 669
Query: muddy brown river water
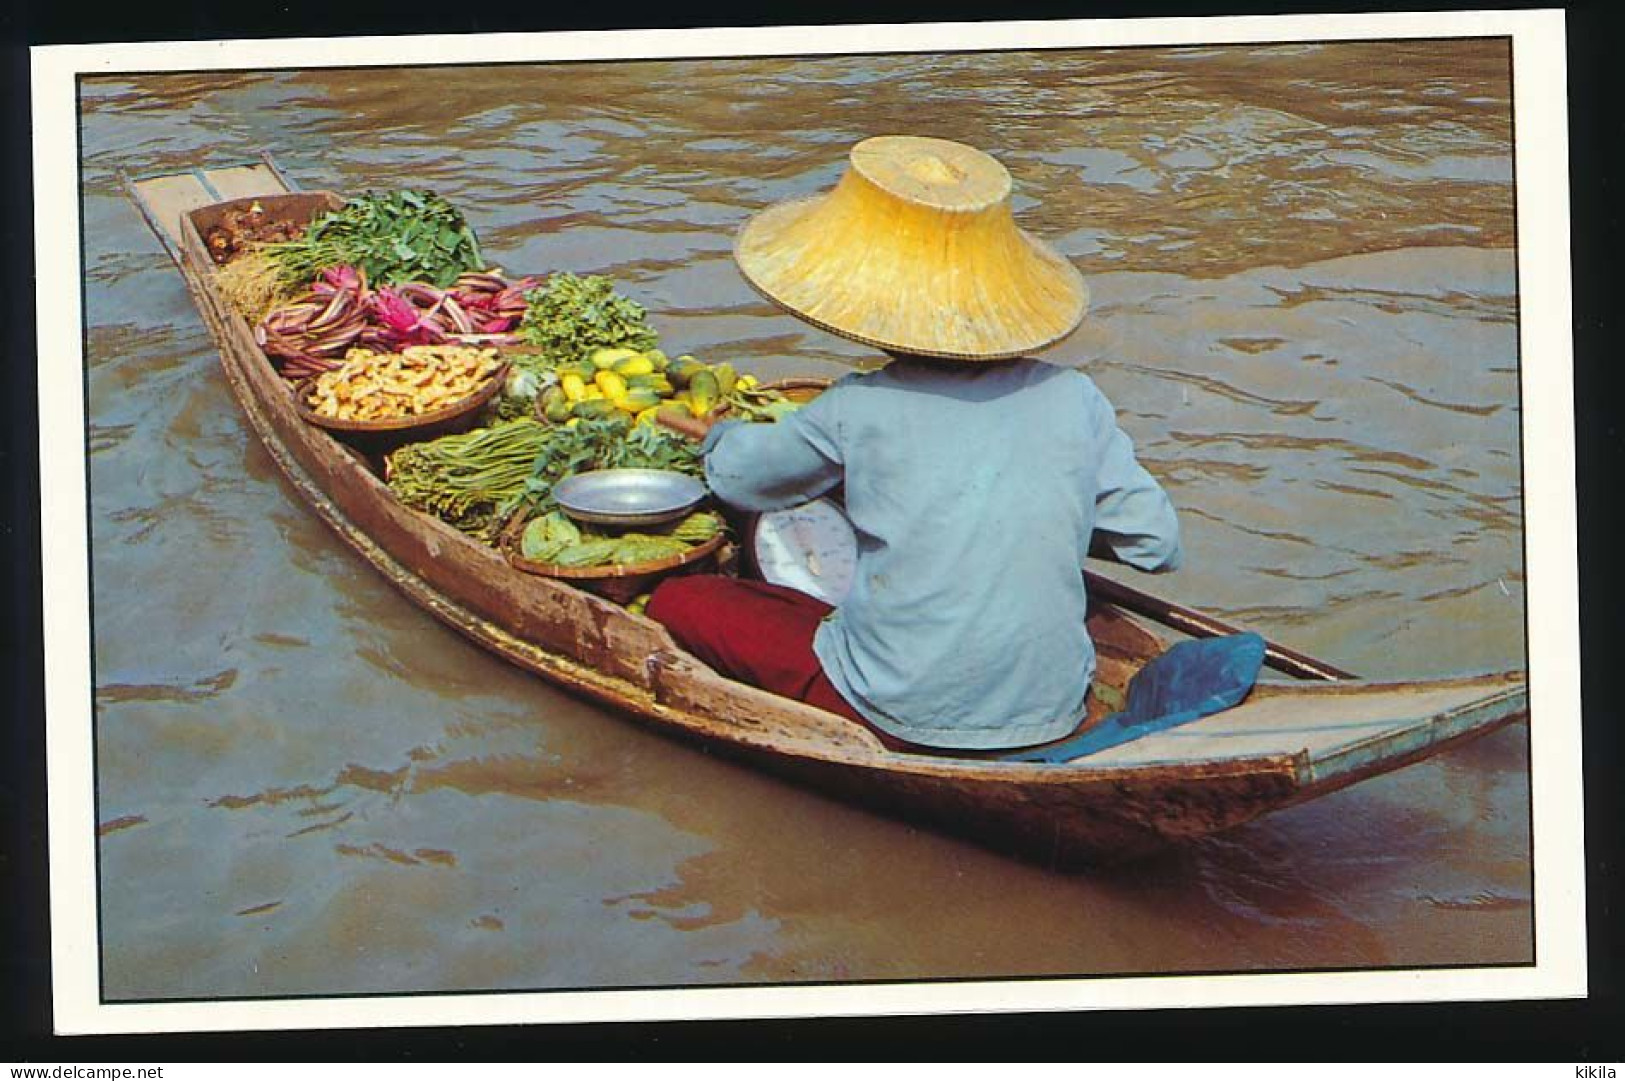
1304 308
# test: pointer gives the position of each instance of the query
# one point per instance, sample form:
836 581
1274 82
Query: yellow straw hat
915 251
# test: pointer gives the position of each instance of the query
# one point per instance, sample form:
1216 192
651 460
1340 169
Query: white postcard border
1553 635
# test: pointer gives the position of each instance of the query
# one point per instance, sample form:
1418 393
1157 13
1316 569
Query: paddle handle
1197 625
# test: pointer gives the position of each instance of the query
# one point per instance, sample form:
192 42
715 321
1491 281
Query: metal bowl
628 496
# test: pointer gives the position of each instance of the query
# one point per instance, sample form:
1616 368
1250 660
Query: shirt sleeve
1134 518
763 467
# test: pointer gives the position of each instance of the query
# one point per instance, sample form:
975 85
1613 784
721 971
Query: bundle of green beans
471 481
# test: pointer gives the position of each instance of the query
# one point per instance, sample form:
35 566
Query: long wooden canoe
1290 741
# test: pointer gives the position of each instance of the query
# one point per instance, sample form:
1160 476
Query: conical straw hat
915 251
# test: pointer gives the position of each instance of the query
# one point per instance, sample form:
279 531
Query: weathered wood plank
683 682
170 198
1320 727
243 181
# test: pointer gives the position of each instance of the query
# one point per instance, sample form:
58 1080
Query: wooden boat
1290 741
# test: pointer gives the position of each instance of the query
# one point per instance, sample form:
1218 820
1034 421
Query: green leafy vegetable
471 481
588 553
408 235
698 527
545 537
553 538
759 404
570 316
606 444
476 480
528 375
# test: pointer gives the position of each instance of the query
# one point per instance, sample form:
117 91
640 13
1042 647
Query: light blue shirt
975 491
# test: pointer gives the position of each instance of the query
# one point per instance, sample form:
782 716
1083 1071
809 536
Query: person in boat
977 478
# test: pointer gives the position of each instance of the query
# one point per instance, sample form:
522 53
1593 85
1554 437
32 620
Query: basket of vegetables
620 565
477 481
587 353
236 228
377 401
342 309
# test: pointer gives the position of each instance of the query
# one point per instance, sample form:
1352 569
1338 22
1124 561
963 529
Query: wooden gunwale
1077 812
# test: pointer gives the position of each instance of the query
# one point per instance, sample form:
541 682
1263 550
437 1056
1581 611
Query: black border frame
1583 1030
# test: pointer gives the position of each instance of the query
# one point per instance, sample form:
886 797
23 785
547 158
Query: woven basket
620 582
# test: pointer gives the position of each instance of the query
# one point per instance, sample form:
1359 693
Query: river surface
1304 309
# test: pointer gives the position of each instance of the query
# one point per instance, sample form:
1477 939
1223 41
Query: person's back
974 491
976 480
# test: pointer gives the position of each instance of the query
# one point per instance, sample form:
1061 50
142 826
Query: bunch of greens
528 375
606 444
410 235
759 404
471 481
569 317
553 538
476 480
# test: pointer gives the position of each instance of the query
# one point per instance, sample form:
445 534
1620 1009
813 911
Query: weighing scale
812 547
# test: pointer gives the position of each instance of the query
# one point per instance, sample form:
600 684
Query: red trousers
757 633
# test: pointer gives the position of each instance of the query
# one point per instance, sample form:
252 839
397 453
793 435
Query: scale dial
812 548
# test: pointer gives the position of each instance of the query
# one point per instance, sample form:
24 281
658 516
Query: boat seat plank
168 198
1331 733
244 181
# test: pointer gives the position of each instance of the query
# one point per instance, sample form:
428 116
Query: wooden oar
1197 625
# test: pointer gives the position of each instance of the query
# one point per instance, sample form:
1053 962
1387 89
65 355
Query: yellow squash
637 364
608 358
612 385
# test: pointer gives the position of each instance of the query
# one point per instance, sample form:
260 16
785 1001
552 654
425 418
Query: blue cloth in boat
975 491
1192 679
